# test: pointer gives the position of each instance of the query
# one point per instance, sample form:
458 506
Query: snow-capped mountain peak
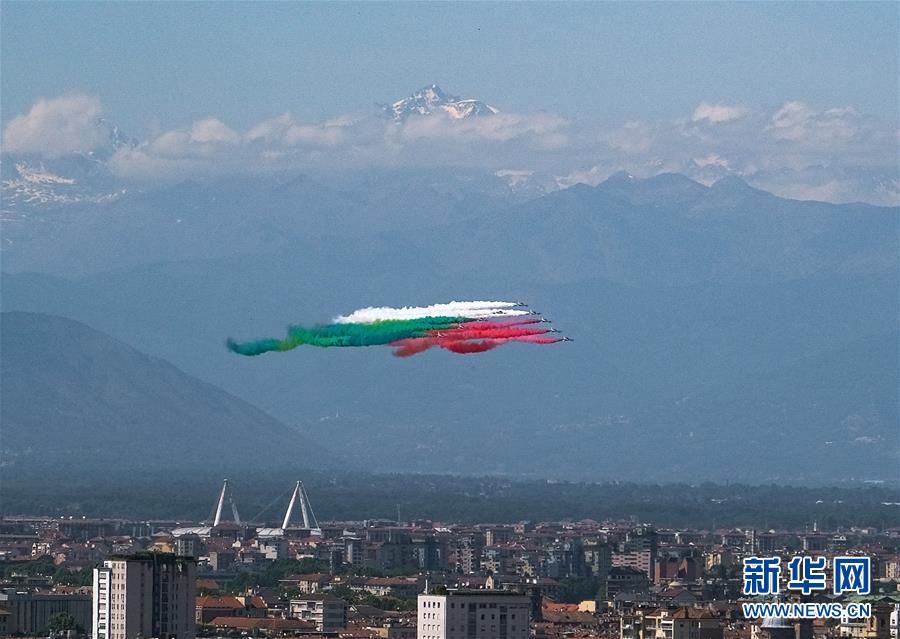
432 99
114 139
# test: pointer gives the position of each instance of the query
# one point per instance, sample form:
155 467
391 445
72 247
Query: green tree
578 589
63 621
273 573
73 577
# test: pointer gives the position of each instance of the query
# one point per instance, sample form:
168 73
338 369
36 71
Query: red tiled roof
264 623
569 617
552 606
218 602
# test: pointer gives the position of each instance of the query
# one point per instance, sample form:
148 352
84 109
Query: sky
598 68
173 63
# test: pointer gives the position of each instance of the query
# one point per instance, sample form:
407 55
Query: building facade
474 614
29 612
328 612
145 595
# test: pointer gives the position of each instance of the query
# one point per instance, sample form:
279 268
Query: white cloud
143 164
831 191
834 184
514 176
592 177
320 135
795 149
284 131
541 130
633 137
798 122
206 138
283 142
716 113
207 145
68 124
211 130
171 144
271 130
711 159
791 115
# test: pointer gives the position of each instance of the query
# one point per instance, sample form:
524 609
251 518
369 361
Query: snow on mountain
28 180
39 175
29 183
525 184
431 100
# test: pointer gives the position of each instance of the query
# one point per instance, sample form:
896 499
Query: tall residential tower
145 595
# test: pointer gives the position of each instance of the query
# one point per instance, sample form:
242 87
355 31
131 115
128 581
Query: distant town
299 577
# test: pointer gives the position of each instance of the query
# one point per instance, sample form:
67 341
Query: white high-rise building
145 595
474 614
328 612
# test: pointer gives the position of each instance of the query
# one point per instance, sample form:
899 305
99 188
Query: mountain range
73 395
721 332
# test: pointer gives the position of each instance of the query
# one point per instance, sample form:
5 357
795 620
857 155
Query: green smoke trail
329 335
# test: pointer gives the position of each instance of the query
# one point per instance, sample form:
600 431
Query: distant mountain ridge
710 322
71 394
628 220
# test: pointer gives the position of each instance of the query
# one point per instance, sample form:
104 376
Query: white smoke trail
476 309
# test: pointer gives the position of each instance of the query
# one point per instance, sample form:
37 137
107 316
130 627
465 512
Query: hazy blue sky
161 65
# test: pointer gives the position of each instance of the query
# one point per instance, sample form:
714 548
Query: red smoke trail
464 341
470 347
479 346
498 333
536 339
500 323
413 346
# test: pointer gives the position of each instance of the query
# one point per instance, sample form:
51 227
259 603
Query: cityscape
370 579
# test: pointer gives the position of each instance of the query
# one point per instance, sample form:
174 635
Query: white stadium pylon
309 519
226 494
